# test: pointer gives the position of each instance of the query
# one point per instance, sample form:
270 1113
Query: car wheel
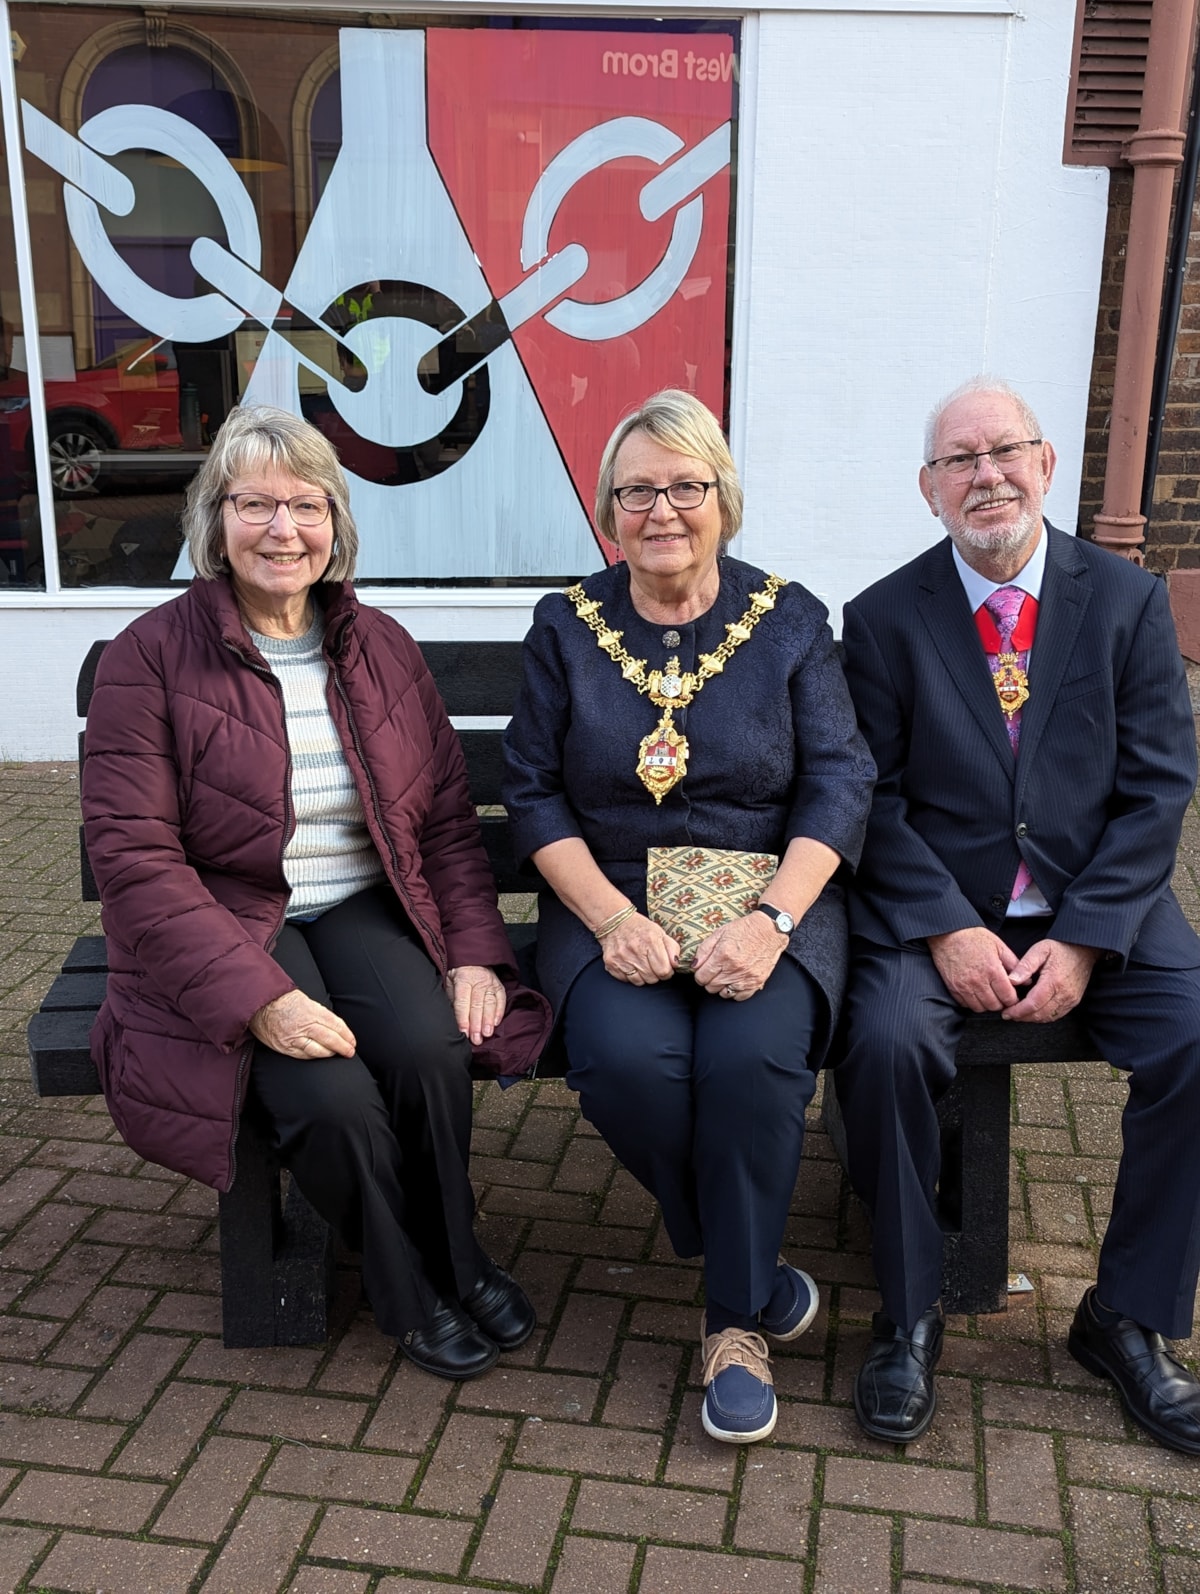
75 463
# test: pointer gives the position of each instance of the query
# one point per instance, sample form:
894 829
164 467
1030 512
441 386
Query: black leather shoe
1159 1393
450 1345
501 1308
894 1394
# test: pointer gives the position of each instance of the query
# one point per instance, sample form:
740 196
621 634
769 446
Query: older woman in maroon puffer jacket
299 911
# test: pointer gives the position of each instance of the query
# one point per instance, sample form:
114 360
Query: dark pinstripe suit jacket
1095 800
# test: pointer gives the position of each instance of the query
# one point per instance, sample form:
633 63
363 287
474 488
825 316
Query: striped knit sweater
330 855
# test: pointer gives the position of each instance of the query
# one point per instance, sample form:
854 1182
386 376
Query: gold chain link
634 670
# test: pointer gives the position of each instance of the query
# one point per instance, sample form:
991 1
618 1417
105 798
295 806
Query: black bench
277 1255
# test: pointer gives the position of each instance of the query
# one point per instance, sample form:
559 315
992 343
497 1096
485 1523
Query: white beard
995 539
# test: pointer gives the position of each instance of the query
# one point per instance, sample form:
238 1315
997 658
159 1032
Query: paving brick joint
137 1456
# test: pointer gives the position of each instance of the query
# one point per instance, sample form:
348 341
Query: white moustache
989 500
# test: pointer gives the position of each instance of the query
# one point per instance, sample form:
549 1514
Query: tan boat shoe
739 1400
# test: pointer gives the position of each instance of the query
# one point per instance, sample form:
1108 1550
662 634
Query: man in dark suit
1023 696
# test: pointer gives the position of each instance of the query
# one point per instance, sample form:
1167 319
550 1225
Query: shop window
479 246
21 562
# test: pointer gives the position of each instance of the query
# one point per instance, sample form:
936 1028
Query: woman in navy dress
698 1080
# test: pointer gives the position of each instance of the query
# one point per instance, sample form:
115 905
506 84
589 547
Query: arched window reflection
172 207
325 132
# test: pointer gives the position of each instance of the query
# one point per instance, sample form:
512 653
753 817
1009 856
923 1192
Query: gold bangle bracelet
611 924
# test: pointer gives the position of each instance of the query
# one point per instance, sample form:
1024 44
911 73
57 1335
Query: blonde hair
251 436
680 422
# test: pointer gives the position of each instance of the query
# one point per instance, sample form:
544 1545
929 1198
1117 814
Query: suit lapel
943 607
1066 593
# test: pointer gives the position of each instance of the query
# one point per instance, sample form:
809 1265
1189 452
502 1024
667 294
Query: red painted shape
501 105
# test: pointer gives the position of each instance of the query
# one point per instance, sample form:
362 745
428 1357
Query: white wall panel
912 225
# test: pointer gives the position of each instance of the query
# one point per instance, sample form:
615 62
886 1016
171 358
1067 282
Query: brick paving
137 1456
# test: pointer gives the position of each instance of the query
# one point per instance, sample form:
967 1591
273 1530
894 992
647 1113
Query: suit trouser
901 1033
379 1142
703 1100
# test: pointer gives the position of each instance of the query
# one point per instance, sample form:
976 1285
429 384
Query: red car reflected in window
105 420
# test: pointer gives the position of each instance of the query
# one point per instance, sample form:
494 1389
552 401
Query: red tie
1006 622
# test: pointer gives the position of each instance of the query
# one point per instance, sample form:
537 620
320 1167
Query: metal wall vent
1108 69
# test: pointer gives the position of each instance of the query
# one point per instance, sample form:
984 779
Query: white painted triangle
508 506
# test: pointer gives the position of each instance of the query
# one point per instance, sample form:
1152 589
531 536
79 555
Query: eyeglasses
640 496
1005 457
258 509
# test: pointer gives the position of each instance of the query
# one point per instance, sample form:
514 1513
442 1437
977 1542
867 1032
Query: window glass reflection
21 563
348 220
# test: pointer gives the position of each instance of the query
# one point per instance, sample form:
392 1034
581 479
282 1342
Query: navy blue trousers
379 1142
703 1100
902 1031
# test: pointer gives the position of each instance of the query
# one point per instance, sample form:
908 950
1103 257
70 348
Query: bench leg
831 1115
276 1263
974 1118
973 1189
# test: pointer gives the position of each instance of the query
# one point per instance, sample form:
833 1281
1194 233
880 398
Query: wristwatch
784 922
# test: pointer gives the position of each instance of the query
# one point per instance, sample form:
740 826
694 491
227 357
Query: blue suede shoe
739 1402
792 1306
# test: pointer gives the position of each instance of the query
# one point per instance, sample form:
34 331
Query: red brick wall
1174 533
1104 357
1173 536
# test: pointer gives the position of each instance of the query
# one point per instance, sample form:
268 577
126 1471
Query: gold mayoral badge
662 758
663 755
1011 682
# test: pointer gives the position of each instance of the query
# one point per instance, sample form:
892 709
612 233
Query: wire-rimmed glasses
1006 457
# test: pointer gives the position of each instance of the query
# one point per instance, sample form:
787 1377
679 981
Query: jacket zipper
397 881
288 821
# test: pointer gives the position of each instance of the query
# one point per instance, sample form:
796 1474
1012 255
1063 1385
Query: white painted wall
910 224
904 222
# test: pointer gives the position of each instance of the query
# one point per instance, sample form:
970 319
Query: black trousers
703 1101
379 1142
902 1031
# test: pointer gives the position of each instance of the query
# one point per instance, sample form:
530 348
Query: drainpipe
1181 232
1155 152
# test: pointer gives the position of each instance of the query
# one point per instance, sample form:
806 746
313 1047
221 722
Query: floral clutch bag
691 891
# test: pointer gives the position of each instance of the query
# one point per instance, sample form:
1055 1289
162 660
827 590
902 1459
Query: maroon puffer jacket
187 808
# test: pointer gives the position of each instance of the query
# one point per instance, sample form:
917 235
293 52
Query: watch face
782 921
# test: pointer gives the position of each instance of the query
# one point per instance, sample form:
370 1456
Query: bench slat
475 677
88 889
87 678
60 1060
76 991
497 842
988 1039
485 764
90 953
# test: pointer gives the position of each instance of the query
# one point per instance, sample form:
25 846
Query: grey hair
680 422
251 436
979 384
